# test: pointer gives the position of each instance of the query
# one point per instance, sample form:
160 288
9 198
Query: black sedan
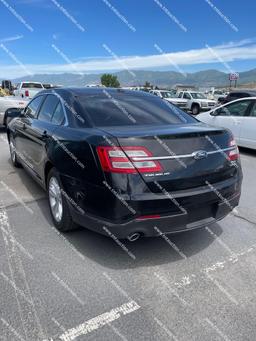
125 163
236 94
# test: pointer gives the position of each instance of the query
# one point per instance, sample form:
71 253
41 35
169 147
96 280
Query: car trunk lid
189 156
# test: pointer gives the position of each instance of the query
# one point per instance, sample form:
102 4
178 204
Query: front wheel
195 109
59 208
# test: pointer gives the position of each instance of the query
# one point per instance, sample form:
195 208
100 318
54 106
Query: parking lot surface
198 285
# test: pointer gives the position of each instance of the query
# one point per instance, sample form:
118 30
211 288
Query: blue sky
47 36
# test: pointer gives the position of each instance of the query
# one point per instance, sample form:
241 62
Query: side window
180 94
33 106
186 95
58 115
253 111
48 108
235 109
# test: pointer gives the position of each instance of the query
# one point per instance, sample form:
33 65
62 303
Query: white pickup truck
216 95
171 97
28 89
196 101
8 102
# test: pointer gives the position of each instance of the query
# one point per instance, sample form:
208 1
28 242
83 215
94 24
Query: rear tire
195 109
13 153
58 204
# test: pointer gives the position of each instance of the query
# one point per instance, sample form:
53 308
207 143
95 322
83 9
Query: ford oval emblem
200 154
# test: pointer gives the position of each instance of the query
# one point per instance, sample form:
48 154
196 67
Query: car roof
252 92
93 91
31 82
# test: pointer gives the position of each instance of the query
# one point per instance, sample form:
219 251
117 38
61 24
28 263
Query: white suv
196 101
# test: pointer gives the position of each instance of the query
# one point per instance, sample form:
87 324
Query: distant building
183 87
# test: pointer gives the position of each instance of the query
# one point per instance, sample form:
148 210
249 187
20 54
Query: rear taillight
26 93
151 216
234 153
120 160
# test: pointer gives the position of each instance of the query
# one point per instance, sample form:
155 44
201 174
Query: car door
41 132
23 138
231 116
248 129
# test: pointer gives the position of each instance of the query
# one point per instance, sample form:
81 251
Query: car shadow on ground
35 190
247 151
144 252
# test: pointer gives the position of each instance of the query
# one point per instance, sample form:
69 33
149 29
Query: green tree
147 85
109 80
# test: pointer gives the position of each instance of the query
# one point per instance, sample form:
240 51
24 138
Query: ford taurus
125 163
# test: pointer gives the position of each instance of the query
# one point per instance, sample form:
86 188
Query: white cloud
5 40
233 51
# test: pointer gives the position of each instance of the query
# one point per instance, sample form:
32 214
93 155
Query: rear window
124 109
32 85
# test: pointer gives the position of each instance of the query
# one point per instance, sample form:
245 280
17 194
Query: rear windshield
32 85
125 109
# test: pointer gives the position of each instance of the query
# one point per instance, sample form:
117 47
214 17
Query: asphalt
198 285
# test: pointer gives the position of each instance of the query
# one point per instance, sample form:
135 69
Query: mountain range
207 78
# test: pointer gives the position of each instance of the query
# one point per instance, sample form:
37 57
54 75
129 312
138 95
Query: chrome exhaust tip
133 237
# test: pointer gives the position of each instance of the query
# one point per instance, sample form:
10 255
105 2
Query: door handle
45 135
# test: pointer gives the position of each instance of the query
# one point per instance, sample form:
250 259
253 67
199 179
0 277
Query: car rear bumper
204 208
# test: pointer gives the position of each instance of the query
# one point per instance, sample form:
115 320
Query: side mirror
214 113
11 113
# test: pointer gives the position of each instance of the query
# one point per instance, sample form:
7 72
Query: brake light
151 216
120 160
233 154
26 93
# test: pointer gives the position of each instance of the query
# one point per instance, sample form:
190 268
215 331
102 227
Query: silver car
7 102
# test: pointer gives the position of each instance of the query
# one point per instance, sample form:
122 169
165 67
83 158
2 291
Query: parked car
27 89
196 101
94 86
7 102
239 116
129 165
171 97
216 95
233 95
